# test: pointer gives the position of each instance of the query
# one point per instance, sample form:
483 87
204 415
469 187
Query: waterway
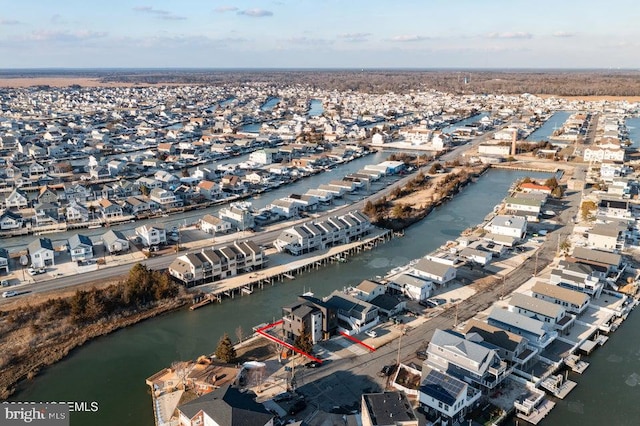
633 126
462 123
315 108
546 130
301 186
112 369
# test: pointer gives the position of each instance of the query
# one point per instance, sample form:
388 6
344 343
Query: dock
538 413
558 386
247 283
577 366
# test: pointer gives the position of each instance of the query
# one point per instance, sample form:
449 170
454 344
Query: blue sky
320 33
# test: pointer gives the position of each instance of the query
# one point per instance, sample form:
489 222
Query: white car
9 294
32 272
5 283
371 333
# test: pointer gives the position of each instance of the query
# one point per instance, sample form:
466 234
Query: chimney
513 142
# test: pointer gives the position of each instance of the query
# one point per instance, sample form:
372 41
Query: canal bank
111 370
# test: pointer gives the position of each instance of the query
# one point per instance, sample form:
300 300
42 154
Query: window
439 404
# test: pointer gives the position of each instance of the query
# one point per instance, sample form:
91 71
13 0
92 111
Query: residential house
368 290
47 195
603 262
36 170
477 256
41 253
16 200
411 286
109 209
115 242
528 187
80 247
577 276
354 315
446 397
224 406
439 273
4 260
213 225
10 220
450 353
99 173
239 215
76 212
166 179
550 313
387 409
609 237
506 230
573 301
152 235
136 205
510 347
285 208
166 199
46 214
209 190
536 332
303 315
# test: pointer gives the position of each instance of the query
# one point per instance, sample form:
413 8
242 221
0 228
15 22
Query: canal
301 186
112 369
546 130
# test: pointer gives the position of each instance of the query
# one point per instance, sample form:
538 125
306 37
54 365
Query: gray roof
560 293
539 306
388 408
466 348
509 221
40 243
111 236
519 321
408 279
228 406
431 267
493 335
524 201
597 256
78 240
607 230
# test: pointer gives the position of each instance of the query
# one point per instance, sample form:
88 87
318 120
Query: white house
213 225
152 235
41 253
115 242
80 247
445 395
412 286
514 228
439 273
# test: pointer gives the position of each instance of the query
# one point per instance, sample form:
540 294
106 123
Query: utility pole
535 269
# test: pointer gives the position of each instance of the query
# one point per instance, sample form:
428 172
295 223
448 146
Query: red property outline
283 343
360 342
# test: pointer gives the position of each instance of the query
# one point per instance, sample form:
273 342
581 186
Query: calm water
465 122
270 104
633 125
315 108
554 122
112 369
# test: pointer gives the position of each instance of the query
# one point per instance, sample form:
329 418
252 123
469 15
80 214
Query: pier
241 284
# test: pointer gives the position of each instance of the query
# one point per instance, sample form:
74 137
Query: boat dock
247 283
577 366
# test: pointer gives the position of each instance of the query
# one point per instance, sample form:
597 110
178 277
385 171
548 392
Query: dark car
421 355
285 396
313 364
298 406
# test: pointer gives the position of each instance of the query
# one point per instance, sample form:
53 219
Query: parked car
371 333
32 272
313 364
421 355
298 406
285 396
10 293
5 283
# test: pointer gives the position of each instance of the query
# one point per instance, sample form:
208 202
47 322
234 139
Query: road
261 238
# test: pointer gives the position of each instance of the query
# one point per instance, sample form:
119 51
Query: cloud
9 22
354 37
256 13
223 9
511 35
563 34
309 41
159 13
64 36
408 38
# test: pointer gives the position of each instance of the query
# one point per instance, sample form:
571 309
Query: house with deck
80 247
537 333
575 302
550 313
115 242
437 272
41 253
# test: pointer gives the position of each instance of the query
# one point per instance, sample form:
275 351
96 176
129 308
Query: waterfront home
387 408
573 301
47 195
115 242
609 236
354 315
542 310
4 260
46 214
438 272
311 236
506 230
214 264
224 406
209 190
477 256
524 205
16 200
450 353
10 220
148 183
536 332
286 208
445 396
109 209
577 276
411 286
303 314
214 225
603 262
387 167
166 179
510 347
306 202
152 235
614 208
322 196
166 199
528 187
99 173
80 247
239 215
333 191
135 205
41 253
368 290
76 212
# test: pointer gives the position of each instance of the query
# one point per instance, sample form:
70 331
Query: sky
319 34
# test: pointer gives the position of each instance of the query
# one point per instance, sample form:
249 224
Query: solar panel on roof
442 387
